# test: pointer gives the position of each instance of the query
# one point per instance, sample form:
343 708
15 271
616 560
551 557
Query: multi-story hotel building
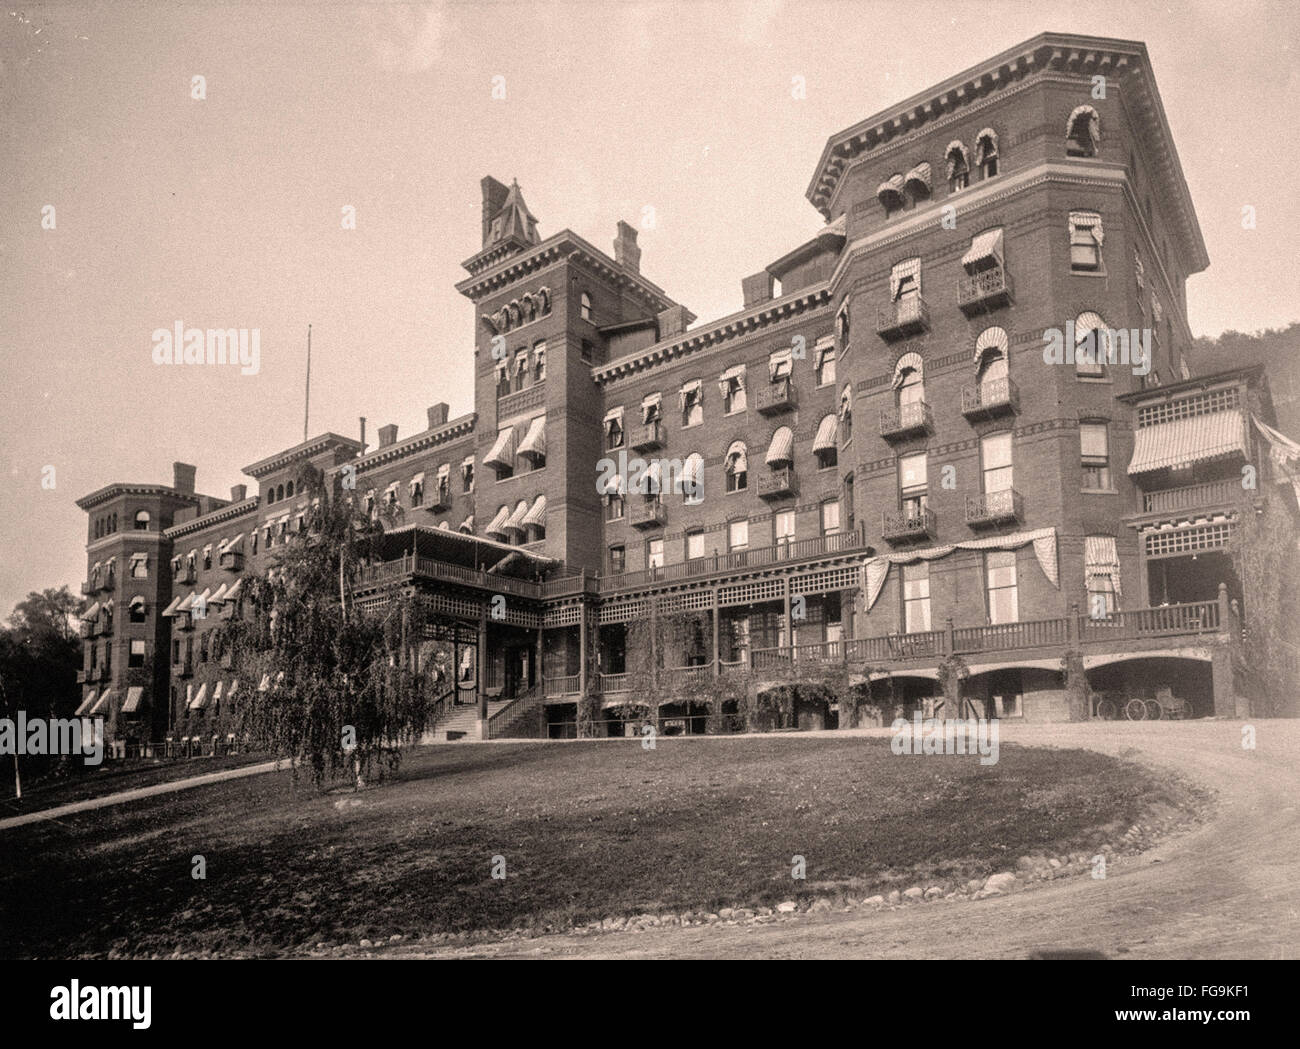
876 462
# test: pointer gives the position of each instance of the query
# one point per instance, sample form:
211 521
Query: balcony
649 514
908 316
990 399
905 419
775 398
89 587
1192 496
89 628
182 621
186 573
509 404
778 483
647 437
900 526
108 581
233 560
993 508
439 501
986 291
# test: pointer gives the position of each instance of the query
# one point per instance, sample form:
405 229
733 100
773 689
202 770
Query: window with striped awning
826 434
497 525
781 449
502 453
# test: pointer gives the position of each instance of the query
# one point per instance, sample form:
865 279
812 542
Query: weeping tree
332 687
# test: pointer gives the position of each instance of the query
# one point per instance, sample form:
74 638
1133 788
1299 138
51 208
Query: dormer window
986 152
1083 132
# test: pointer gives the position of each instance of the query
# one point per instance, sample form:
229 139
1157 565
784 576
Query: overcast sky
226 212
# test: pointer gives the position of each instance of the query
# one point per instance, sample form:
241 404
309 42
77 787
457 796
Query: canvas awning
515 522
890 190
1101 559
218 595
534 442
86 704
503 449
416 482
920 175
689 394
200 698
90 613
134 697
105 703
733 375
650 406
537 512
908 362
780 363
216 692
985 247
952 154
497 525
781 450
1185 442
234 687
986 145
691 471
827 434
171 609
467 525
737 459
233 592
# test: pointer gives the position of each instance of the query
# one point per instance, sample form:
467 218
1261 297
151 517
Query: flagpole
306 411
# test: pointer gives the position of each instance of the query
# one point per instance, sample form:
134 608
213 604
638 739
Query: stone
874 901
975 884
366 943
914 893
894 897
933 891
726 912
820 904
711 918
999 883
1055 863
787 907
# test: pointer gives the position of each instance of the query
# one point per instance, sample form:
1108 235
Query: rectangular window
694 545
830 516
1101 575
139 566
826 363
614 428
1000 583
1085 241
136 655
207 557
614 505
912 484
176 651
783 522
691 401
617 559
995 453
738 535
1094 446
732 388
905 280
654 553
916 598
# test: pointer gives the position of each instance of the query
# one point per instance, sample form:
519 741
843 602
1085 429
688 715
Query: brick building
872 464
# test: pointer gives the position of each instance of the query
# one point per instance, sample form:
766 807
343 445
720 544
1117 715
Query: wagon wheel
1107 711
1135 710
1154 710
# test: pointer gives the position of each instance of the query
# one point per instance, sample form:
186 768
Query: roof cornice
460 427
305 450
733 327
226 513
1061 52
117 488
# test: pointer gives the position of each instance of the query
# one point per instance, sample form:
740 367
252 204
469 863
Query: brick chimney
626 253
438 415
494 199
672 322
387 435
757 289
183 477
238 493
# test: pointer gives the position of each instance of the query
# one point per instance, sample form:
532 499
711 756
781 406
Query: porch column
582 649
789 626
717 656
482 668
540 674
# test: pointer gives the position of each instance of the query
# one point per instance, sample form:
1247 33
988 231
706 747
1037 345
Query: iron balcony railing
776 397
993 507
648 513
990 398
897 525
984 291
905 419
777 483
647 436
907 316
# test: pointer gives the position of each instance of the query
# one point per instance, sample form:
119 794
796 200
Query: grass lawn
588 830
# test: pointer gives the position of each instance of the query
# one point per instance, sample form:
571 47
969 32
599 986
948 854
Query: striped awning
691 471
416 482
200 698
908 362
218 595
909 270
537 512
780 363
737 458
105 703
986 145
1101 559
515 522
827 434
467 525
735 374
216 692
91 612
170 610
650 407
1185 442
891 188
134 697
233 592
86 703
919 174
952 154
534 442
503 449
781 450
985 246
497 525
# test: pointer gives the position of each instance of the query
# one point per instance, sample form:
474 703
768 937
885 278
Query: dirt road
1230 889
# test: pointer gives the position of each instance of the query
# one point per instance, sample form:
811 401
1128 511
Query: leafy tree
335 687
1270 572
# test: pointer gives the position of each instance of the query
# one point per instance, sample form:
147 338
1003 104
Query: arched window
136 609
99 527
956 162
737 467
584 307
991 364
917 182
1082 132
781 450
288 491
693 479
842 325
530 308
279 492
516 313
1092 347
909 380
986 152
142 520
113 525
890 193
544 294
